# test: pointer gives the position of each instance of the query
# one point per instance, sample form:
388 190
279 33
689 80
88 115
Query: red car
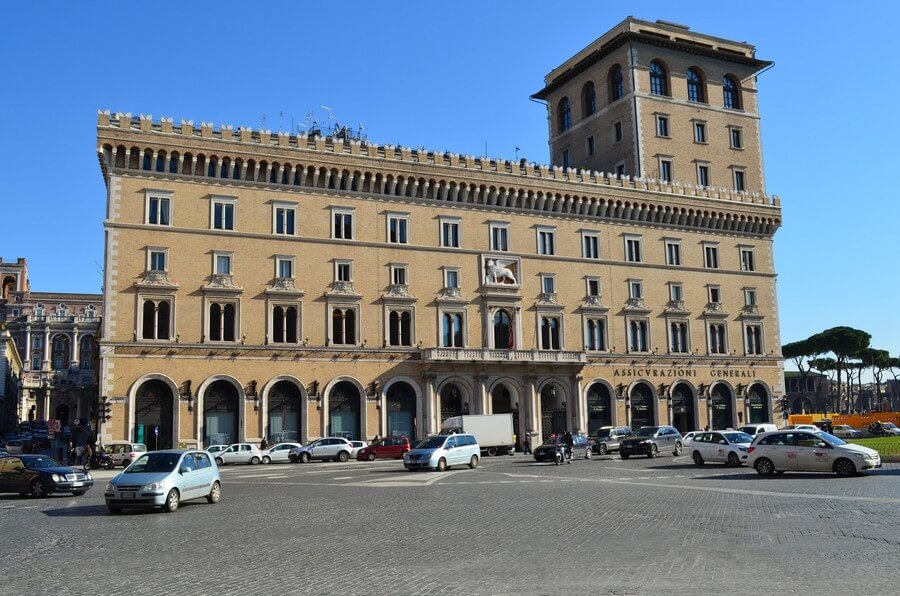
386 448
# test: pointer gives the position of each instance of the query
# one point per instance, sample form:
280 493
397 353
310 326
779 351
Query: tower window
659 84
589 99
695 87
616 83
731 96
564 114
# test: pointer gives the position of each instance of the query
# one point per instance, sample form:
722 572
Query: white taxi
728 446
809 451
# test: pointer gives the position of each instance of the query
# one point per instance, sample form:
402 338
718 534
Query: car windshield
602 433
153 462
832 440
646 431
889 425
432 442
37 463
738 438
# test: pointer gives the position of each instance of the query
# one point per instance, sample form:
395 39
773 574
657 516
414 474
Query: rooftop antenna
280 118
517 153
262 122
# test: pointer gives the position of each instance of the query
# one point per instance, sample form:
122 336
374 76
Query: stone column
429 406
47 347
480 399
27 358
75 348
579 403
531 409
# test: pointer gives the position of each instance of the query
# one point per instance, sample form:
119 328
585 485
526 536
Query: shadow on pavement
750 474
82 511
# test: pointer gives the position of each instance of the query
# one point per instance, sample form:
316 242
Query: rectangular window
565 159
156 318
673 253
703 174
548 284
398 275
638 335
665 170
590 245
737 140
285 323
500 237
633 249
285 219
590 145
452 329
711 256
739 184
747 260
715 295
550 333
223 214
750 297
400 327
617 132
451 278
157 260
546 242
662 126
285 266
700 132
676 293
635 289
754 340
343 271
678 337
223 264
593 286
717 343
595 335
158 210
344 322
342 224
398 228
450 233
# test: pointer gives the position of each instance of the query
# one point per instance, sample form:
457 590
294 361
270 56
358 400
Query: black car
651 441
553 449
39 475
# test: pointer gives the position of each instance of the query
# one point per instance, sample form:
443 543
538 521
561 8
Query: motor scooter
99 460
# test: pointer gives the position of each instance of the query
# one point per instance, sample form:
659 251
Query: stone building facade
56 335
264 284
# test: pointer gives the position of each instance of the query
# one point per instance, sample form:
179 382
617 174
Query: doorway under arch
683 413
553 411
643 410
153 415
221 403
285 413
599 407
503 402
758 404
401 410
451 401
722 403
344 416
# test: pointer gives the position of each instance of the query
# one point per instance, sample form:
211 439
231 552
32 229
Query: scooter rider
570 446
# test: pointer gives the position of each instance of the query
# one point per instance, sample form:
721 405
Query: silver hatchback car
164 479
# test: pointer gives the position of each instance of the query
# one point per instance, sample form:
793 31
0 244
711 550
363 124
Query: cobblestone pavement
512 526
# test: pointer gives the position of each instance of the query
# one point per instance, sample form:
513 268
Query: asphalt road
512 526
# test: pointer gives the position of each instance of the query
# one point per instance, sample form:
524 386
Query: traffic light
104 409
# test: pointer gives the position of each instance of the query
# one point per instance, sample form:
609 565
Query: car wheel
37 489
215 493
267 459
371 457
172 500
677 449
733 460
343 456
492 451
844 467
442 465
473 463
254 460
764 466
114 510
304 458
698 459
654 451
219 461
78 493
624 456
603 449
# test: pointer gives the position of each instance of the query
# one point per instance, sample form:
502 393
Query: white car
730 447
845 431
811 427
688 437
239 453
14 446
757 428
357 447
278 454
213 449
809 451
334 448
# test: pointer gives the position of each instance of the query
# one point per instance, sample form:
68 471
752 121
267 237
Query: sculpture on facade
498 272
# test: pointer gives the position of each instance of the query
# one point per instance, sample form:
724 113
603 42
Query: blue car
165 479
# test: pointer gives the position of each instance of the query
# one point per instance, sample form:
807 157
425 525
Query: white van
123 453
440 452
757 429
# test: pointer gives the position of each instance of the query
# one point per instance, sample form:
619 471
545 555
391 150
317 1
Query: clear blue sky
450 76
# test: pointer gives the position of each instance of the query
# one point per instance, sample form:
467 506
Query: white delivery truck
494 432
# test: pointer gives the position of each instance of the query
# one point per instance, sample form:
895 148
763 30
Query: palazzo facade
266 284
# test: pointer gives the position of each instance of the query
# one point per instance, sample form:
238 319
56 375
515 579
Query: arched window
616 83
343 326
400 328
550 333
588 100
564 114
86 352
161 161
695 87
148 160
173 162
504 336
637 336
284 324
659 82
731 95
452 333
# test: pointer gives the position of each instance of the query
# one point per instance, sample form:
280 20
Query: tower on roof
658 100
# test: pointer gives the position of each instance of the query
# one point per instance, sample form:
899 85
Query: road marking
344 478
278 476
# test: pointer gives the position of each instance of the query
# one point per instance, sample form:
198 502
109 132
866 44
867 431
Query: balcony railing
489 355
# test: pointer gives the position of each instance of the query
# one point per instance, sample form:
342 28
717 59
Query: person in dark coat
264 444
570 446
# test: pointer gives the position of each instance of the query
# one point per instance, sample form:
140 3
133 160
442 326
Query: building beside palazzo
264 284
10 370
56 336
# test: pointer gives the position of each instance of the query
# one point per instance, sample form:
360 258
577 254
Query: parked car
440 452
123 453
876 429
40 475
650 441
165 479
553 449
606 439
15 446
386 448
213 449
811 427
357 447
730 447
757 429
845 431
809 451
334 448
239 453
278 453
686 438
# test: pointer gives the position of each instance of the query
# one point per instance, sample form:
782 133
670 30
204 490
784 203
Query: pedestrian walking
71 453
264 444
570 446
88 452
79 454
526 445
